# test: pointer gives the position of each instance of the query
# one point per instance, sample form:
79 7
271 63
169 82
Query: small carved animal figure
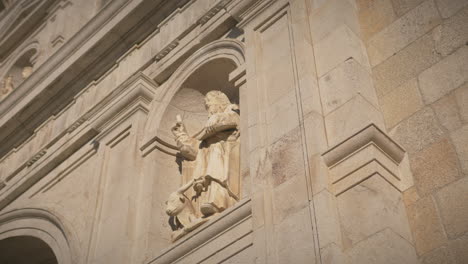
182 213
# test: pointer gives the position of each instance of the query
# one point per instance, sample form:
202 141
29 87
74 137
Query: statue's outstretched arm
187 145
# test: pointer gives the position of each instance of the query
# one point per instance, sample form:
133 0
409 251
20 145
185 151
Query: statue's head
216 102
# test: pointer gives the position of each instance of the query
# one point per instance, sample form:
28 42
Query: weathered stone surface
405 65
450 7
295 239
411 196
286 161
452 33
385 247
328 222
426 226
290 122
458 249
374 16
434 167
453 207
354 115
461 95
402 32
418 131
330 16
438 256
403 6
337 47
401 103
444 76
447 110
460 141
289 198
343 83
332 254
282 117
369 207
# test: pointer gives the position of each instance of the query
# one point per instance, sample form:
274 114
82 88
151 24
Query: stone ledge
367 153
211 230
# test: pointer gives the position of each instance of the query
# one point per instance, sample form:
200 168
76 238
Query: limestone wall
353 124
418 51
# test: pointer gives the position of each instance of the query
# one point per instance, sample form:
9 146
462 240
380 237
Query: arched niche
35 227
225 50
210 68
21 67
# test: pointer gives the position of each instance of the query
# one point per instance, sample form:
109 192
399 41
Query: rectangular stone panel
343 83
329 16
403 31
369 207
453 207
338 46
375 16
405 65
401 103
426 225
450 7
277 74
444 76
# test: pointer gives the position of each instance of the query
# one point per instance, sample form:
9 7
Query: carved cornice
53 84
133 95
369 152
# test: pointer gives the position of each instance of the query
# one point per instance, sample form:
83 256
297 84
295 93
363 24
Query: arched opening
29 235
26 250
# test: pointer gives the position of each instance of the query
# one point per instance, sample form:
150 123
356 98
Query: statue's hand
178 129
211 124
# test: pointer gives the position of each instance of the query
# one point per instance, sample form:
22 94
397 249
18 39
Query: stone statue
6 87
210 169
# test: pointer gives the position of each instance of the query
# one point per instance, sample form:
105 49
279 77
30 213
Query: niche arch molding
228 49
32 47
43 225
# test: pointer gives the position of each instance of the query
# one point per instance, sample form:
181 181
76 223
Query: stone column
285 130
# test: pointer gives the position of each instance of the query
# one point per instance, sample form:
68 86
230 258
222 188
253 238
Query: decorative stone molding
166 50
225 48
213 11
36 157
133 95
41 224
229 219
369 152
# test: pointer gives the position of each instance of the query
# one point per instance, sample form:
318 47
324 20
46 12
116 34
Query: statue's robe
217 155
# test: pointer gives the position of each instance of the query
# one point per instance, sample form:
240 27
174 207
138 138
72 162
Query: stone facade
349 117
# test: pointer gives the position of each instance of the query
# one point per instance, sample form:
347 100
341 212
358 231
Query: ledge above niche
369 152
